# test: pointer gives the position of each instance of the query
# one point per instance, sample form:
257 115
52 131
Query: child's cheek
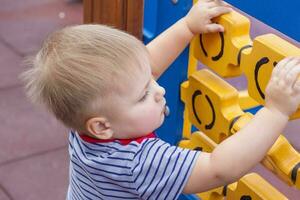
150 118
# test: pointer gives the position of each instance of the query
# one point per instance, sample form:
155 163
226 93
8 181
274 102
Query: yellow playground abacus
215 107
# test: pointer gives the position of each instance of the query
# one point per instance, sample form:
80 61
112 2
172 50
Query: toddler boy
101 83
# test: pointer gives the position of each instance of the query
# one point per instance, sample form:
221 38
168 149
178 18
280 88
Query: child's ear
99 128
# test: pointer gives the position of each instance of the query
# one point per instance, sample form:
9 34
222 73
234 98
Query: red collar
122 141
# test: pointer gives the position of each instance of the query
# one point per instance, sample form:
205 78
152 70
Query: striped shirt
144 168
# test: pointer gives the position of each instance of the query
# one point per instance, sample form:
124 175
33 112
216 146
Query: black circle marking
258 65
224 191
211 124
196 93
245 197
220 54
240 53
198 149
217 57
233 122
202 46
294 172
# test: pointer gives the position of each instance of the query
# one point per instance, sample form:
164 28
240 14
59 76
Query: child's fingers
297 86
294 66
213 4
292 76
217 11
280 65
223 3
215 1
219 1
212 28
288 67
207 0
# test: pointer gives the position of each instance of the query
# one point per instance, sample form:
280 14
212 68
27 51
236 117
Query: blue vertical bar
158 16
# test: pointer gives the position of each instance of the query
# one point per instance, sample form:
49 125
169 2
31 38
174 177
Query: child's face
139 108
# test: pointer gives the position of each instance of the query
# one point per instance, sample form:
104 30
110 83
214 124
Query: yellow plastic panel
211 102
215 194
199 141
245 101
254 187
239 122
283 160
258 64
221 51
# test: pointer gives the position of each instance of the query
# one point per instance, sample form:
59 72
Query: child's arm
165 48
235 156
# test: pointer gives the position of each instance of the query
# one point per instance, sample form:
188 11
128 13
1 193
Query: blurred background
33 145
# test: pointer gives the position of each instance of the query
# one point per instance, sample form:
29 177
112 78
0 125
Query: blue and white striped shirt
146 169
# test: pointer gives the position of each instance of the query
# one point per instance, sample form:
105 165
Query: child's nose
160 93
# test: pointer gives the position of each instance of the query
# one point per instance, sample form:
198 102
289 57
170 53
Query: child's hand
199 17
283 90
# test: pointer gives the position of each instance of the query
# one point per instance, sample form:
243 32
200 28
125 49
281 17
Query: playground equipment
121 14
216 108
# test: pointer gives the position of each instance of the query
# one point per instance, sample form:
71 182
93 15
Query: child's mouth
167 111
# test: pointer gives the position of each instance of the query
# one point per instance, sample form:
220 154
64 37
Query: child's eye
145 96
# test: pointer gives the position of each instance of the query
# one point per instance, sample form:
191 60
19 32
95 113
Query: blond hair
77 66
